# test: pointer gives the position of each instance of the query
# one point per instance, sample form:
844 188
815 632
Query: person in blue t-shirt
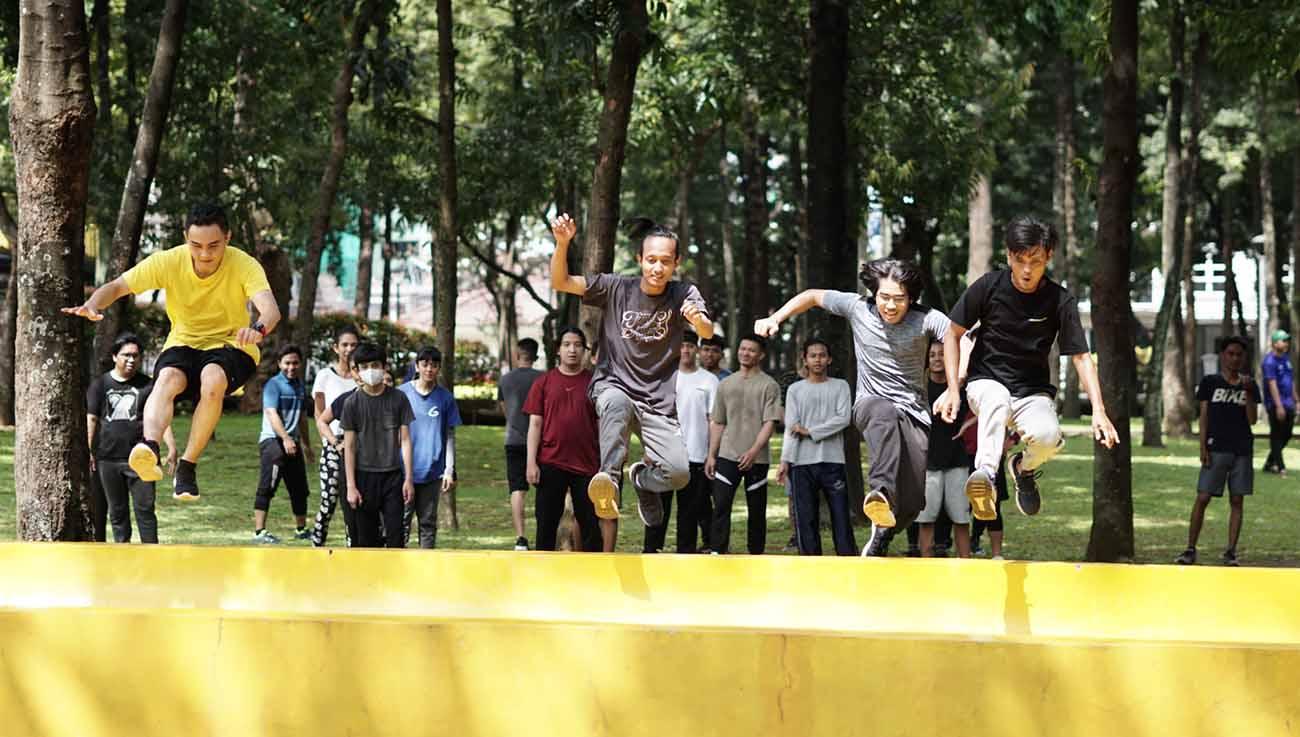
1279 400
284 445
433 444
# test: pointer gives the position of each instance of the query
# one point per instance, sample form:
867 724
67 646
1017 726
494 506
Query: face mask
372 376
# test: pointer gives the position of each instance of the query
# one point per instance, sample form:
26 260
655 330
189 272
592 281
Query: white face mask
372 376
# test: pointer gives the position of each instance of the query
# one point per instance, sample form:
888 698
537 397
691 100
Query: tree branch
518 279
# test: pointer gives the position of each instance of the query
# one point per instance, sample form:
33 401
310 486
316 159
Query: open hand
86 311
563 228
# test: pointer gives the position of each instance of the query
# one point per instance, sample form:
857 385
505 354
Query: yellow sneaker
144 461
982 496
603 492
876 507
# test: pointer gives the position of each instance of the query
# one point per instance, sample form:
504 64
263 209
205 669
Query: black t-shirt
1017 331
1229 428
377 421
336 407
945 450
120 409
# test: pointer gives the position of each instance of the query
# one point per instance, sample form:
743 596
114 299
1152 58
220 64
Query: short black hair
529 347
641 228
571 330
714 340
347 329
755 338
906 273
207 213
689 336
1025 232
125 339
369 353
1228 340
815 340
429 353
291 348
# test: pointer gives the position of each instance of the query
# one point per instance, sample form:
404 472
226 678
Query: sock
185 466
259 531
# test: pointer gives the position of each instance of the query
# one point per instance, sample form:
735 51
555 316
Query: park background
394 163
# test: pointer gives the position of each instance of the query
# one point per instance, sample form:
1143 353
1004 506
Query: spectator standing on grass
1279 400
512 390
377 453
947 467
284 446
114 424
1229 406
744 415
332 382
563 452
433 445
818 409
696 389
711 357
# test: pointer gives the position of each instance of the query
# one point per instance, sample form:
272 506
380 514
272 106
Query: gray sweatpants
667 468
898 445
1034 417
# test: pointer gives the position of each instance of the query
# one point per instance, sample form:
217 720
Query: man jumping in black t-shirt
1020 313
1229 406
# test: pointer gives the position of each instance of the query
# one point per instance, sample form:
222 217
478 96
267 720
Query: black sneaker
303 533
648 503
878 543
913 551
185 486
1028 500
1188 558
521 543
1230 558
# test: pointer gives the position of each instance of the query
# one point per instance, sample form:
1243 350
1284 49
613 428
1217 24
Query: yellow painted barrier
139 641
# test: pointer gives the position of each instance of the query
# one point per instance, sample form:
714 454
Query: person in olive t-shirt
114 405
639 346
1020 314
1229 407
211 350
745 412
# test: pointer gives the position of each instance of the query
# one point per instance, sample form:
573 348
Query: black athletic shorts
517 467
238 365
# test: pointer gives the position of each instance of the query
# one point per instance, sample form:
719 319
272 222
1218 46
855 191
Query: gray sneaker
262 537
648 503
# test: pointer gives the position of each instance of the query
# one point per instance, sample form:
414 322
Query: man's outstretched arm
106 295
798 304
564 229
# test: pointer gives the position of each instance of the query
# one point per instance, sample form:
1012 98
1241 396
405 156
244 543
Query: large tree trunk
99 20
828 196
1227 246
52 121
387 293
329 180
1167 399
1272 264
1067 210
139 177
365 261
980 215
444 257
1295 232
1111 538
731 277
8 317
1190 188
802 262
611 145
755 298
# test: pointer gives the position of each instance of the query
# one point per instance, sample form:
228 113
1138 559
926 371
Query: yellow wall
128 640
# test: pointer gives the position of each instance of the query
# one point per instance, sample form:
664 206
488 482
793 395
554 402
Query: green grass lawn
1163 484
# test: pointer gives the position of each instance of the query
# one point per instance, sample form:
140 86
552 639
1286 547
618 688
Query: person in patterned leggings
332 382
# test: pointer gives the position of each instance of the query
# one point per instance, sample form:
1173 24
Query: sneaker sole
879 513
979 490
603 493
185 496
145 463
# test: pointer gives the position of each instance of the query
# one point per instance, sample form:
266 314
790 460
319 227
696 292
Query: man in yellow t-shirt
212 348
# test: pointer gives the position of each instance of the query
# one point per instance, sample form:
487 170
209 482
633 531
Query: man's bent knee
213 383
170 382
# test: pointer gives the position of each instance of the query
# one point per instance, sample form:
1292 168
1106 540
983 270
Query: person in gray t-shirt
512 390
891 334
639 344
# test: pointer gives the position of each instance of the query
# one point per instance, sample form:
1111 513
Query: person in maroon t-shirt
563 452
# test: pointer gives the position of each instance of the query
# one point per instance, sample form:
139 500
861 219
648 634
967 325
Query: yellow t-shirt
205 313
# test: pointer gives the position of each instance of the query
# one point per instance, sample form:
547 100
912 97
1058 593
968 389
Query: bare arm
92 424
408 465
715 442
949 403
323 419
1102 429
564 229
798 304
100 300
533 471
277 427
350 467
1252 405
700 321
1204 424
268 312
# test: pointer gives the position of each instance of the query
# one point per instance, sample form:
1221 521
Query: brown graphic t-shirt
640 338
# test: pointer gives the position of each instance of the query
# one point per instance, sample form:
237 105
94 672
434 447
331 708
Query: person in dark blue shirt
433 444
284 445
1279 400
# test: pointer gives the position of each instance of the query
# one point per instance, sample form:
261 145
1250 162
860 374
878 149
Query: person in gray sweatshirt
817 412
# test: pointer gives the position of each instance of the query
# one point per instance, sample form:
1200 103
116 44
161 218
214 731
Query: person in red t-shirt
563 452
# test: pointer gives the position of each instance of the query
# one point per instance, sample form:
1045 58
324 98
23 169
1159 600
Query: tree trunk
802 265
1111 538
365 261
52 123
99 20
828 196
1190 187
444 257
386 294
125 247
731 280
329 180
1067 210
1272 264
1295 233
8 317
754 163
1228 245
980 216
1167 399
611 145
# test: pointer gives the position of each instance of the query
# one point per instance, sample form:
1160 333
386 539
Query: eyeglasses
900 299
